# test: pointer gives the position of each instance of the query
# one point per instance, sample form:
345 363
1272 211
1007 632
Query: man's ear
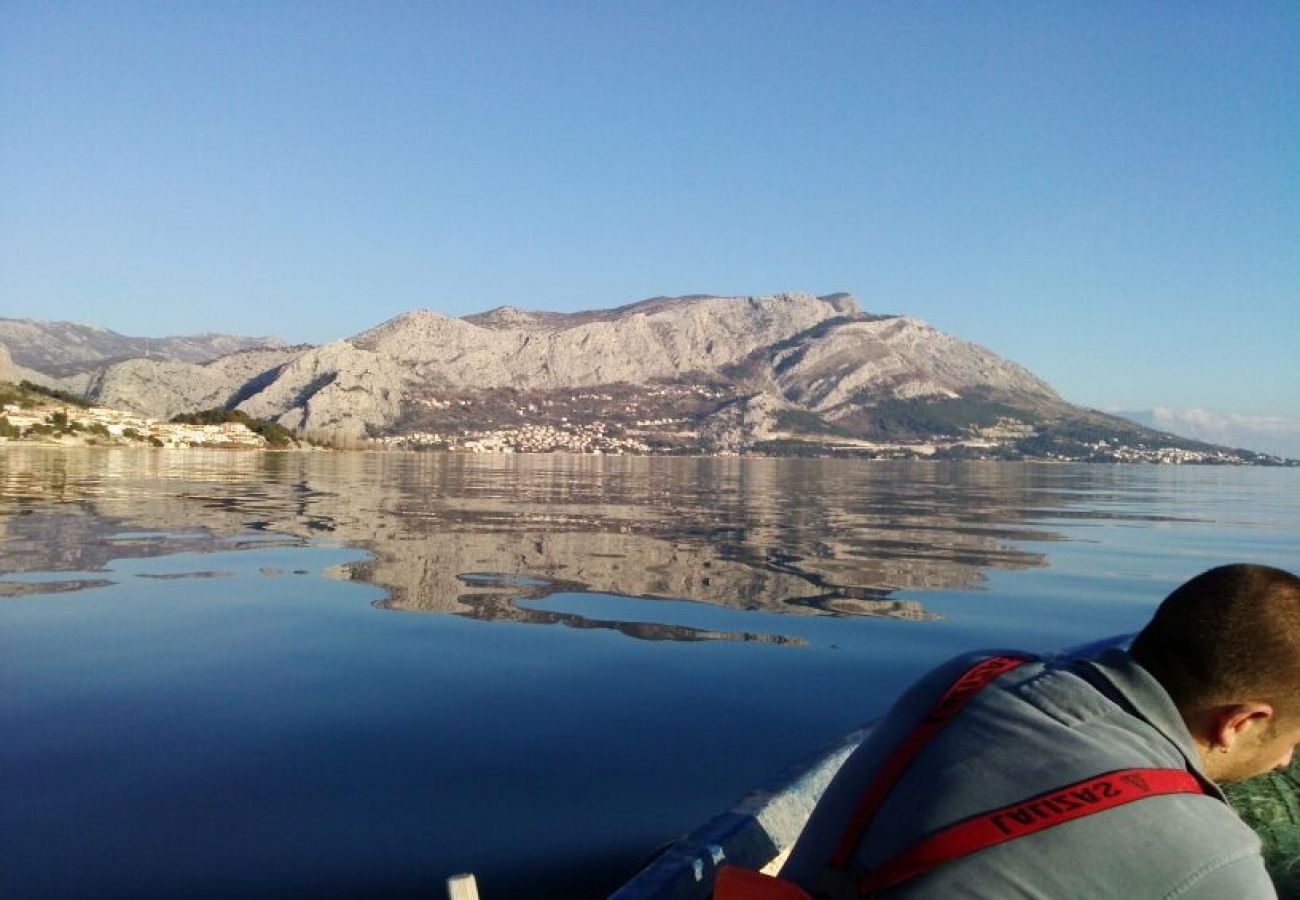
1232 722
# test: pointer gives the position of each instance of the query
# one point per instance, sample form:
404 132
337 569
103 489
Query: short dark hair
1230 634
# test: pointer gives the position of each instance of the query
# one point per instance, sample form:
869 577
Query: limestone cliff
362 383
163 388
724 373
8 371
835 371
656 339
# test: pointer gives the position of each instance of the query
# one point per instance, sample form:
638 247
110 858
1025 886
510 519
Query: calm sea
330 675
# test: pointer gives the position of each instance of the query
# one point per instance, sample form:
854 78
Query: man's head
1226 646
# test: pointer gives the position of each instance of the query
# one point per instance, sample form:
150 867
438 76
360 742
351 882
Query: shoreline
78 442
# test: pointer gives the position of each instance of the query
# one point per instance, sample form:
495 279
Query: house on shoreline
59 423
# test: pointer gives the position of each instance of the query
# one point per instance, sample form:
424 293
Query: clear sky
1106 192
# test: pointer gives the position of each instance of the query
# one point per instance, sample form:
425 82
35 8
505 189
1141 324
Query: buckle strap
952 702
1047 810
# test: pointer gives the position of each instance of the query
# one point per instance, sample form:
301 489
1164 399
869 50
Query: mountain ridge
786 372
60 348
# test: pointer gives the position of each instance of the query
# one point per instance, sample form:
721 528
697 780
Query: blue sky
1108 193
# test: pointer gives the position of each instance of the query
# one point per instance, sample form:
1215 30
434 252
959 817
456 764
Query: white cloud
1263 434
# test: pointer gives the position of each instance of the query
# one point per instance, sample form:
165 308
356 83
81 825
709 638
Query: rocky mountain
61 349
657 339
163 388
8 371
12 372
785 373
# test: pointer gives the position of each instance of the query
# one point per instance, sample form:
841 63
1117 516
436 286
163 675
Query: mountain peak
844 303
509 317
422 314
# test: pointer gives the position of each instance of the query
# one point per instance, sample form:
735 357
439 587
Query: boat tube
758 832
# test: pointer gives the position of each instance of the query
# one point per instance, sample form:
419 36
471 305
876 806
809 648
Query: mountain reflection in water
820 537
201 699
495 608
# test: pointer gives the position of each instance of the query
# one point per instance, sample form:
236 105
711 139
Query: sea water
347 674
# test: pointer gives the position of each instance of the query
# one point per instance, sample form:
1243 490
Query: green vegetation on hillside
12 395
28 394
61 396
895 419
804 422
276 435
791 447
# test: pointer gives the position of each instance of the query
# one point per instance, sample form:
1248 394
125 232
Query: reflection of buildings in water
825 536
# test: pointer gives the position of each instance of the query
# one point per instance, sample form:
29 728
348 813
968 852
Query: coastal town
592 439
600 439
629 430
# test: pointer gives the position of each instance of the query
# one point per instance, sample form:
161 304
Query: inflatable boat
757 833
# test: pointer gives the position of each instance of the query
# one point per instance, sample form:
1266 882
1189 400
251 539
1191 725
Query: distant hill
784 374
60 349
1264 434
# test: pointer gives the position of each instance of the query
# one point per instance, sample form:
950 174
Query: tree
276 435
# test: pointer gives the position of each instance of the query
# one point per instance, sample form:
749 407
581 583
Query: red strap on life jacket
1055 807
734 883
951 703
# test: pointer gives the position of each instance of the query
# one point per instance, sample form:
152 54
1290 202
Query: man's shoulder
1037 702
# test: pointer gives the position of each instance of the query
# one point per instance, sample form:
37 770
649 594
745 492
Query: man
1000 777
